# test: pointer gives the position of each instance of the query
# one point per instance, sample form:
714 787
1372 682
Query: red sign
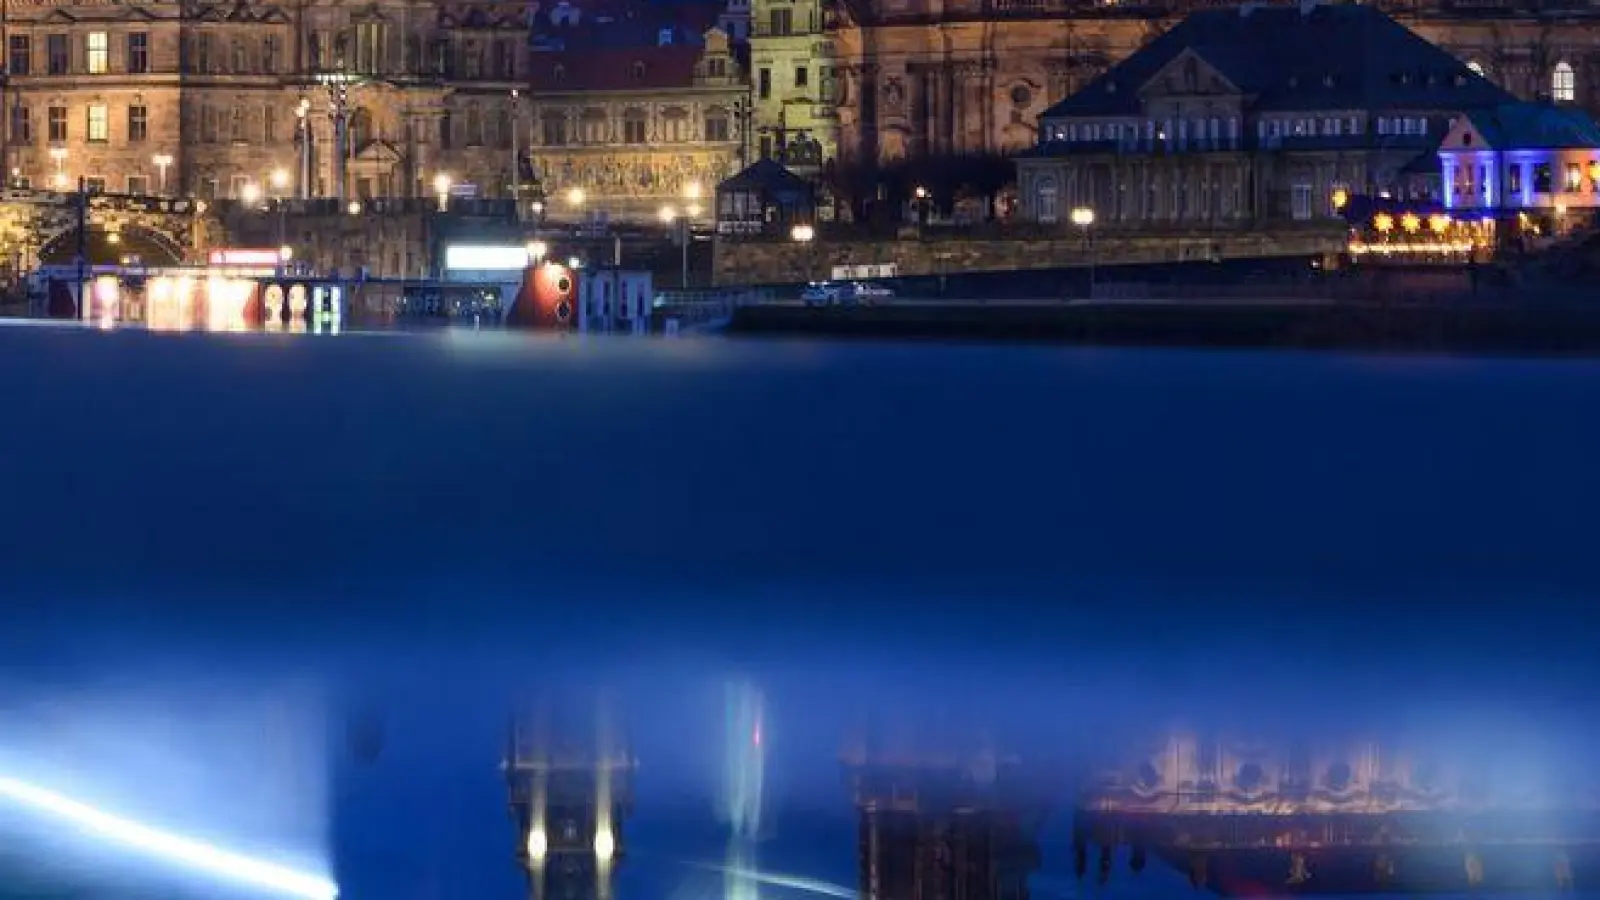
243 257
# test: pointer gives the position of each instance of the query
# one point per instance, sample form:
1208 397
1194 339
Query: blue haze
1061 547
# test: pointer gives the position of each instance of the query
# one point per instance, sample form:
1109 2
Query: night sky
1061 547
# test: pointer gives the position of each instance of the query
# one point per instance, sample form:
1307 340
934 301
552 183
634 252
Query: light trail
173 848
792 882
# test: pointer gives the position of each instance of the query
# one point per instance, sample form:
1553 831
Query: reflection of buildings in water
1244 816
943 828
571 789
744 765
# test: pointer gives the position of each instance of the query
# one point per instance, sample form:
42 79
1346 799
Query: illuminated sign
243 257
480 258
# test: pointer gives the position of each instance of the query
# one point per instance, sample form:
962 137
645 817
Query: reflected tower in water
943 826
570 776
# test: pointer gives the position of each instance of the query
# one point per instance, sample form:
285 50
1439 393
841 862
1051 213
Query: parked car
867 292
828 293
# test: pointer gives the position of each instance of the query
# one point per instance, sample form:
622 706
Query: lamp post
279 180
302 140
1083 217
805 235
516 154
679 226
441 188
537 251
162 161
338 84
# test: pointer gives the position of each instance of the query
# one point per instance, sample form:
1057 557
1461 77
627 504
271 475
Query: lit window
1476 67
1564 83
97 52
99 124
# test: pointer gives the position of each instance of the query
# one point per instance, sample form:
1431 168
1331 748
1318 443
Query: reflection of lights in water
744 775
173 848
742 881
605 844
736 881
272 306
538 844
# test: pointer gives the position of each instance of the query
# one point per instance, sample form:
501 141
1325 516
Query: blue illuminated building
1521 157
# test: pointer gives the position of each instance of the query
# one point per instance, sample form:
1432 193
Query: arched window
1563 83
1047 197
1477 68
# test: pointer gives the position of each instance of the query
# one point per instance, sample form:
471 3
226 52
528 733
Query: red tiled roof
613 69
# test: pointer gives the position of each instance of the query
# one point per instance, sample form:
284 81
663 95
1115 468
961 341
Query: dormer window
664 37
638 70
558 73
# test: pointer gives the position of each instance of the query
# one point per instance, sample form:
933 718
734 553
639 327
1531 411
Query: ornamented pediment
137 14
381 152
59 17
1188 75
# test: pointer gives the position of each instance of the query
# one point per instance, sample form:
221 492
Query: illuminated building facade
932 77
1247 115
792 84
1257 818
635 108
1520 157
571 789
230 100
943 828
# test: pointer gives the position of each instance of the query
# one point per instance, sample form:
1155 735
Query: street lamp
354 208
250 194
441 187
680 233
804 235
279 179
1083 217
162 161
575 198
537 250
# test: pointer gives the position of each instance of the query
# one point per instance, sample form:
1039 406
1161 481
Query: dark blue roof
1535 126
1322 57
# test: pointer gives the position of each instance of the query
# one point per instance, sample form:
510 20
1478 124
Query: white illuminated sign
480 258
244 257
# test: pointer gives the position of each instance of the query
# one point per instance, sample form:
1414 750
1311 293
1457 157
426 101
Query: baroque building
793 73
638 110
231 99
1250 114
951 77
386 99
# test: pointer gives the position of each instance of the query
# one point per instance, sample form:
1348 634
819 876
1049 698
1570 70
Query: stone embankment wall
746 261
